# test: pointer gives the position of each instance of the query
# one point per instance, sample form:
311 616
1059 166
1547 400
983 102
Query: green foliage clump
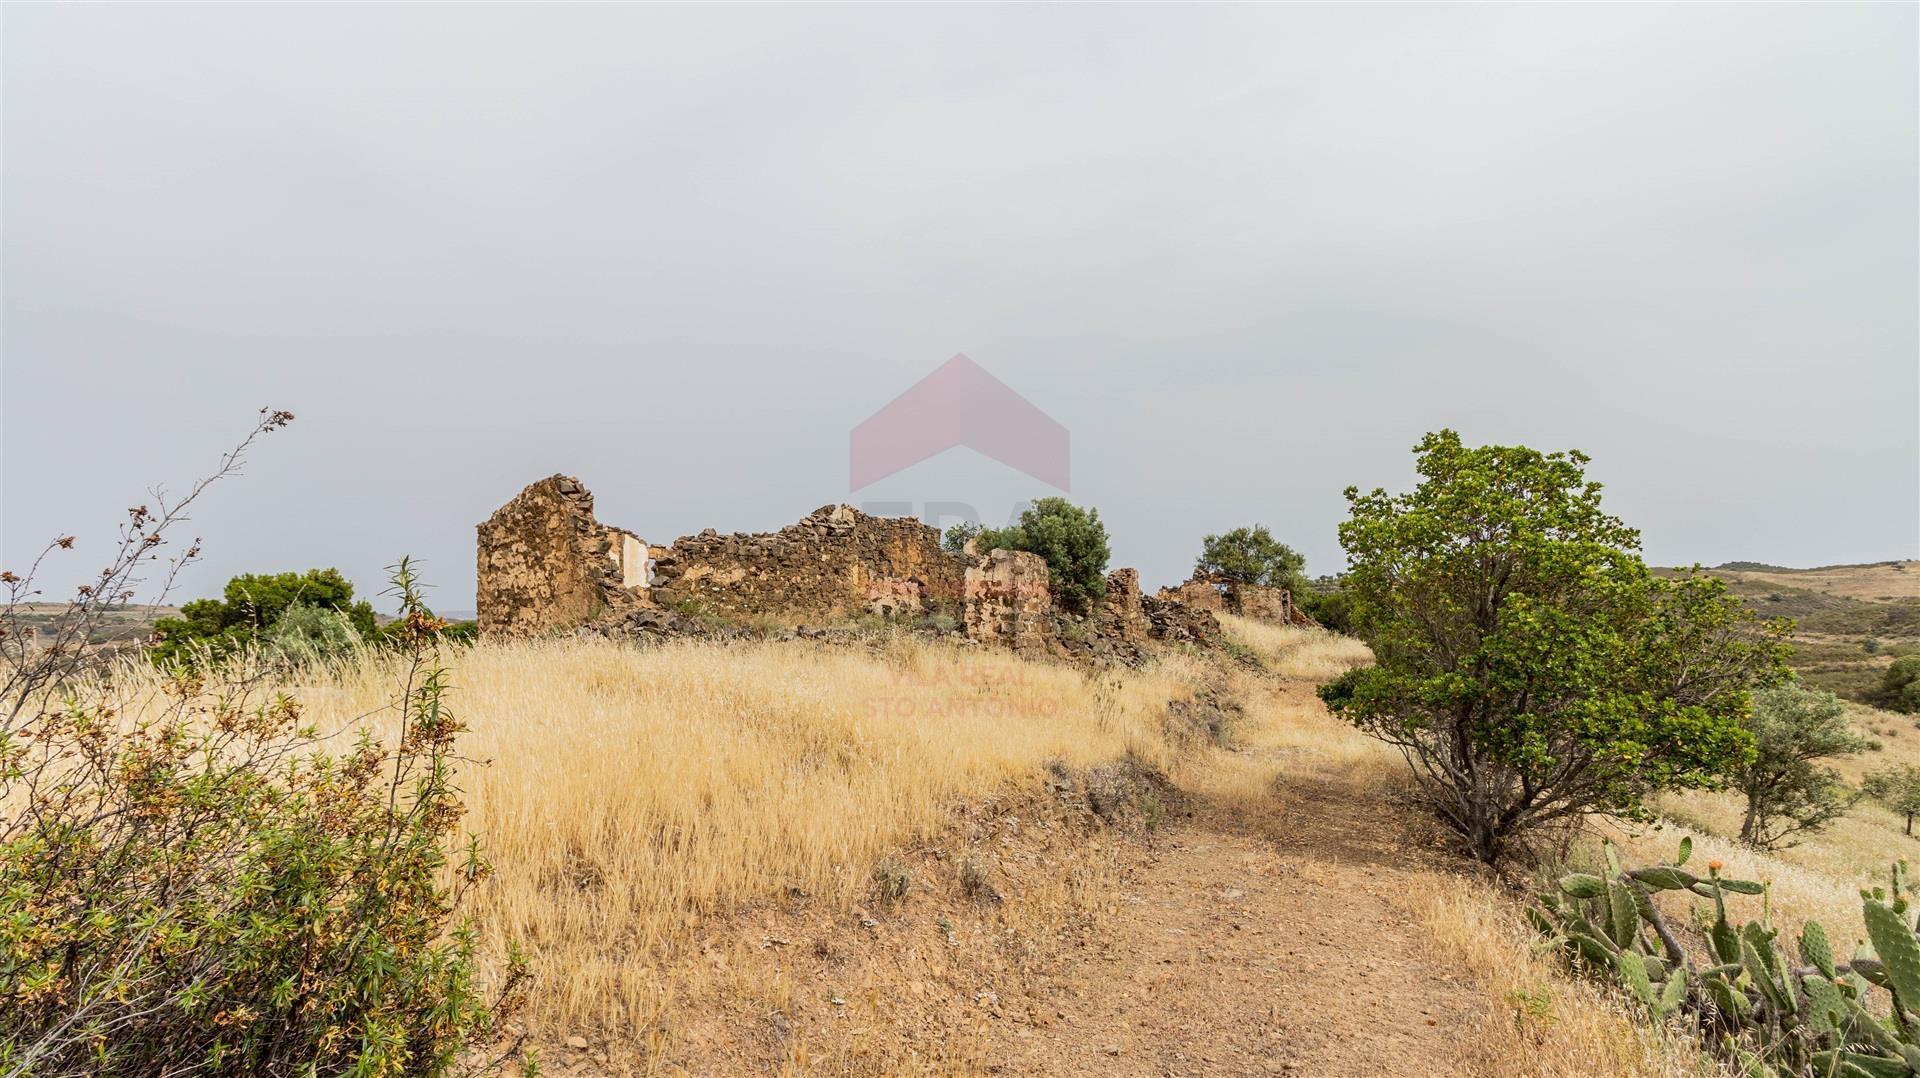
1898 788
954 540
1899 688
252 607
1746 996
1788 792
1252 555
205 888
1328 606
1071 540
1529 666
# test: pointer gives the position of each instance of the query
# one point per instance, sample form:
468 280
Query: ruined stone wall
836 563
545 565
1199 594
1221 595
1175 621
1121 615
1008 600
1259 601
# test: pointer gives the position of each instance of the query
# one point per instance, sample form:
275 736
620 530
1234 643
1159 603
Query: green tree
1071 540
1899 687
251 606
1252 555
1788 791
1898 788
954 539
1529 667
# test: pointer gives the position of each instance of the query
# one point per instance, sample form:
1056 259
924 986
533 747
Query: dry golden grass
632 792
1292 651
634 799
1543 1022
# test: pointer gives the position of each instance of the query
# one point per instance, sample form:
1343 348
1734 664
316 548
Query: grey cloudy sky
1247 255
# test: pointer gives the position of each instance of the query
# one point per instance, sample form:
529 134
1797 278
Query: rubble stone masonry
836 563
545 564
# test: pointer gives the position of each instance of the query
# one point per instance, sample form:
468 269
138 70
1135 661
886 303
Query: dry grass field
698 844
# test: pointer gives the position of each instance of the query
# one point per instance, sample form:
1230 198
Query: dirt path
1276 945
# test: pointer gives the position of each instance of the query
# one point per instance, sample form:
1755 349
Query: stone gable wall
545 564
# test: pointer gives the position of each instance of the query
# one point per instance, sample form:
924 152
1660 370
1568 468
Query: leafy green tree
1899 687
954 540
1071 540
251 606
1898 788
1529 667
1788 791
1253 556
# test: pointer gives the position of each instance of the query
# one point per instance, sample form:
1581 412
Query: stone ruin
1009 600
836 563
1216 592
547 566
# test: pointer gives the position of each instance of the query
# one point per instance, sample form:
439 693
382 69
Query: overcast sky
1246 255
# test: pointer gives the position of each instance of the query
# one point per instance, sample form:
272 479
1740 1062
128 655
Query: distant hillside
1850 620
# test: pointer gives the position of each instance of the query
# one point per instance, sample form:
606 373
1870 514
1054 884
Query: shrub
194 882
1529 667
1071 540
251 608
1252 555
1330 607
1899 688
308 633
1788 793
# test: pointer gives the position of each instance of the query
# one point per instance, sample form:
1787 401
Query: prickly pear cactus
1745 992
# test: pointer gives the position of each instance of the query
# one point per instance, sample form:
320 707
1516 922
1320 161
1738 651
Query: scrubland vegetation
292 839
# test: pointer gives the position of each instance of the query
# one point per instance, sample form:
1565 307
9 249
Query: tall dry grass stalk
1294 651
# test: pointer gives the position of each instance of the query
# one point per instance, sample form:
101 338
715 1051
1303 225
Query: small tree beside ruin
1251 555
1529 667
1071 540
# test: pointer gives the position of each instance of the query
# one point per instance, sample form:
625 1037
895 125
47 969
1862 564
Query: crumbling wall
1259 601
545 564
1197 593
1220 594
837 562
1008 600
1175 621
1121 615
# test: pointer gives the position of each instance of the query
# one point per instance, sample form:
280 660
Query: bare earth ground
1276 939
1235 953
